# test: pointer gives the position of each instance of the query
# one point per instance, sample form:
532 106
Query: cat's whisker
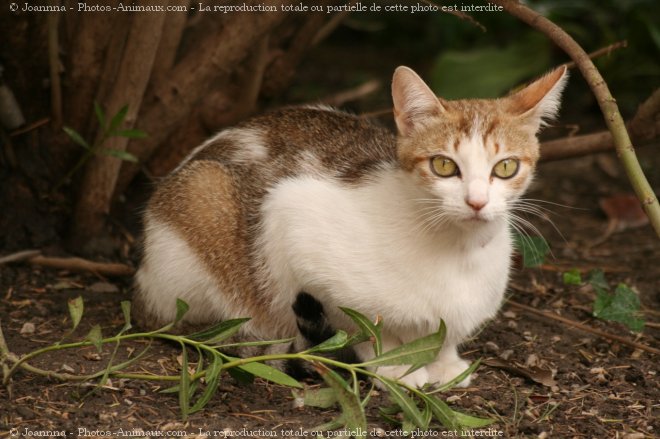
523 205
552 203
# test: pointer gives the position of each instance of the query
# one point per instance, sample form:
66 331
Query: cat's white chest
363 248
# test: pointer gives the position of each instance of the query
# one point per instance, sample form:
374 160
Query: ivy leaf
598 282
572 277
534 249
622 306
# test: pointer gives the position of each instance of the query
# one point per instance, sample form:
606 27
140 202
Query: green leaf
76 308
353 415
173 389
126 310
458 74
598 282
184 384
117 119
335 424
534 249
323 398
407 404
448 385
96 337
471 421
100 115
258 343
212 380
337 341
130 134
269 373
442 412
367 327
623 306
120 154
572 277
241 376
420 351
77 138
219 332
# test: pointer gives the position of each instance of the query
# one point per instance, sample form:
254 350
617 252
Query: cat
312 208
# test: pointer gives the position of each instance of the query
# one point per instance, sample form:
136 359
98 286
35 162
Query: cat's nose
476 204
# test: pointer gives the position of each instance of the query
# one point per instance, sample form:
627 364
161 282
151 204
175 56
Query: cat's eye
444 167
506 168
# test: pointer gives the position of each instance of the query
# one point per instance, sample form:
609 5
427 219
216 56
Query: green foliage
572 277
621 306
534 249
419 408
108 129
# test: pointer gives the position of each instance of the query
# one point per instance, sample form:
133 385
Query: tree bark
101 172
175 97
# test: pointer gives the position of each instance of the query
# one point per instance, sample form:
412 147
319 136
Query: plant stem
607 103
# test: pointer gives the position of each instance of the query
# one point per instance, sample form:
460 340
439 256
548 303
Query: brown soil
604 389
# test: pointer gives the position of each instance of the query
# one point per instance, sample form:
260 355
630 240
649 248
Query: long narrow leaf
76 137
367 327
352 412
212 381
421 351
76 309
181 310
337 341
268 373
219 332
117 119
96 337
184 384
120 154
100 116
407 404
442 412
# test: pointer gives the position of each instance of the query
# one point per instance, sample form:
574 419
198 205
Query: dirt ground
602 389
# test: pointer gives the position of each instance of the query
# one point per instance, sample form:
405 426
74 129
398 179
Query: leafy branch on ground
108 128
412 408
621 305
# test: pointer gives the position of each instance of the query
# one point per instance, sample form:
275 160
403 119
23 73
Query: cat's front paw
441 372
417 378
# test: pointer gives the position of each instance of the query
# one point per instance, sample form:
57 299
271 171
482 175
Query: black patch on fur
311 320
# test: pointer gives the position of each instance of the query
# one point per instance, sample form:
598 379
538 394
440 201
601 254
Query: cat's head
477 156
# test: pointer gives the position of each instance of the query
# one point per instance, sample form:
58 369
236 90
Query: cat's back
301 140
202 218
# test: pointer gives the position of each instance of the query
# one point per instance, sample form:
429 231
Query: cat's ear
414 101
540 100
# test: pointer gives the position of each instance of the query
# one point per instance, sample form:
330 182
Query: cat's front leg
447 366
365 352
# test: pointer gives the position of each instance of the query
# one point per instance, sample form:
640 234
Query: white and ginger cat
312 209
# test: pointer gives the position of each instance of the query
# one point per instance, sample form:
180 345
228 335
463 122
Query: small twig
79 264
74 264
27 128
19 256
459 14
600 52
585 328
352 94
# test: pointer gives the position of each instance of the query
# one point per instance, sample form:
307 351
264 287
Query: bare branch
607 103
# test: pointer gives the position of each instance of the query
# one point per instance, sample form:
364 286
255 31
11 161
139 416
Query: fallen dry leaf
536 374
624 210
